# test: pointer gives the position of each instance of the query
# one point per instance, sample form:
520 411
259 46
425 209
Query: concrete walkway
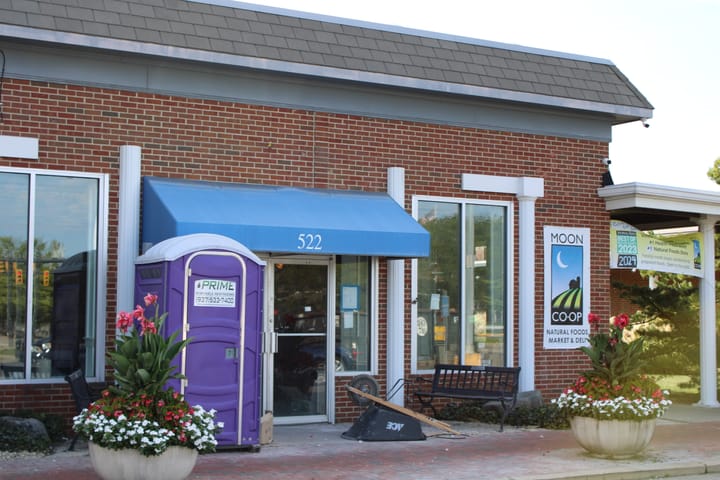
686 442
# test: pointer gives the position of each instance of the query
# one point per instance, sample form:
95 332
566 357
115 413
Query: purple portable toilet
212 288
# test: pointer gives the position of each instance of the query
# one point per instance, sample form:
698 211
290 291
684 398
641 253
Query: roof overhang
652 207
617 114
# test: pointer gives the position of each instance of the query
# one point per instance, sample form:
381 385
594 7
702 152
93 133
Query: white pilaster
529 192
708 344
396 301
128 224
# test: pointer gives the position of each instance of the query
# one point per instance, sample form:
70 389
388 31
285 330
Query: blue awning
282 219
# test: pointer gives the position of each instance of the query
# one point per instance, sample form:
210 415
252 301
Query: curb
641 473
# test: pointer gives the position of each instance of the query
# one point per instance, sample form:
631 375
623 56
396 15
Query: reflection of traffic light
46 278
18 276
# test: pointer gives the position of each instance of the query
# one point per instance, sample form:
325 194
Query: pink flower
124 321
148 326
150 299
139 312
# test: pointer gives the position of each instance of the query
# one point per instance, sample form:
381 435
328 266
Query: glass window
485 277
353 325
57 271
461 286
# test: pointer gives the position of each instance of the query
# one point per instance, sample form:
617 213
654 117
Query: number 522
309 241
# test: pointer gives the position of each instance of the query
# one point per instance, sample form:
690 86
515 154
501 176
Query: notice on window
214 293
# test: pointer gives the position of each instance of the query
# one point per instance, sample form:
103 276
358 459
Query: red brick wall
81 128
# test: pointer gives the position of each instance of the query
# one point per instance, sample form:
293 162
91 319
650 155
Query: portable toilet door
223 346
215 299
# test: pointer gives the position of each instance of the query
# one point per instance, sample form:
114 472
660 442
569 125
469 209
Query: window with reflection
461 287
353 320
48 275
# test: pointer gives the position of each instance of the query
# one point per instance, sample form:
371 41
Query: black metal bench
469 382
83 394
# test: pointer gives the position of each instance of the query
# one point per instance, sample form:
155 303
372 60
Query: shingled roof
251 36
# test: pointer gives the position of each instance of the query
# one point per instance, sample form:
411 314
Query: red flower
621 321
593 318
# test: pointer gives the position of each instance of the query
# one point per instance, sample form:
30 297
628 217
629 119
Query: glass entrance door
300 324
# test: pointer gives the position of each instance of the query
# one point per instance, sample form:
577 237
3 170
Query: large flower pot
613 438
175 463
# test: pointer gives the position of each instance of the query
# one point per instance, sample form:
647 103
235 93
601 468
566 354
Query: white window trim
100 285
509 263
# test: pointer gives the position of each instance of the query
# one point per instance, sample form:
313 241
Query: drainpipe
708 344
128 240
395 301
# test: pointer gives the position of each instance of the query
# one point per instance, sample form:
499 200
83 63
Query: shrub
545 416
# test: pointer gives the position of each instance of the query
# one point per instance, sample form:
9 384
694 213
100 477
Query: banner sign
632 248
567 287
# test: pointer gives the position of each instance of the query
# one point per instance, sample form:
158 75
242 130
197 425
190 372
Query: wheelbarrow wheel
366 384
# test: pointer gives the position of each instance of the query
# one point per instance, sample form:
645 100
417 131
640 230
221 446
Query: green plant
544 416
614 387
613 360
142 359
667 319
140 412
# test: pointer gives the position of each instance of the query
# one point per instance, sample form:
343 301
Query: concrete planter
175 463
613 438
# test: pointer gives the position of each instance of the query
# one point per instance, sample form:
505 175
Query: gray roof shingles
322 43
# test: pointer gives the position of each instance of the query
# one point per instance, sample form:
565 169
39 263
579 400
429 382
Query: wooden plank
419 416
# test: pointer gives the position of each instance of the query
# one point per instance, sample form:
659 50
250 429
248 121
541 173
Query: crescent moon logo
559 261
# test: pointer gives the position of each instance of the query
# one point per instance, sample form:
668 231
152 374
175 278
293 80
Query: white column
526 289
708 344
128 224
396 301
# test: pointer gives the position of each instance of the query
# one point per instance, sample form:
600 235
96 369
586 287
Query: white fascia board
660 197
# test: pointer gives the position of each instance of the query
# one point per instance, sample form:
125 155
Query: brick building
483 145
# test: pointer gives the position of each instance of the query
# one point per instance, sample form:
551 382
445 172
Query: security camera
606 161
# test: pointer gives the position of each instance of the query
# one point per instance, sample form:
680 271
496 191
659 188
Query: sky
669 49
